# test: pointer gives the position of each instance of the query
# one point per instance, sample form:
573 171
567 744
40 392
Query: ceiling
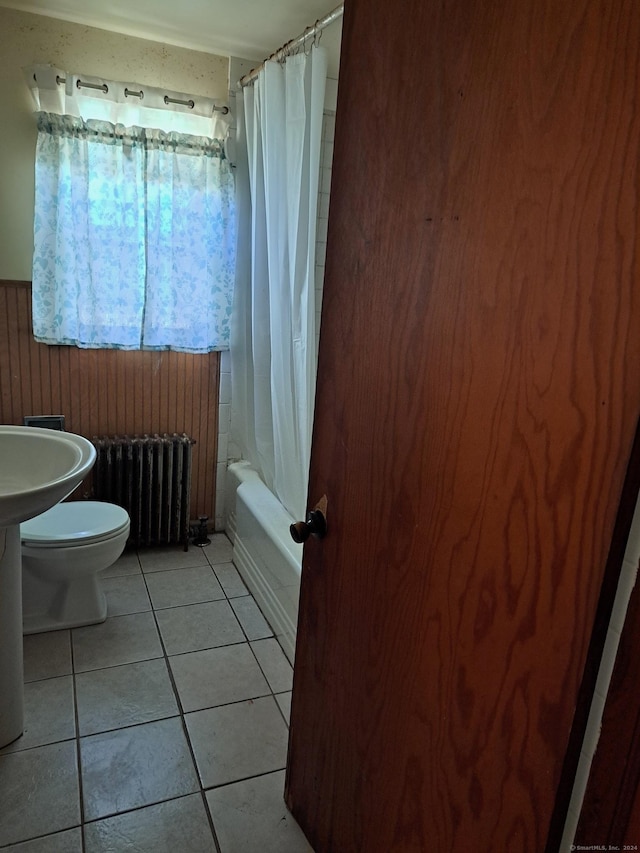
249 29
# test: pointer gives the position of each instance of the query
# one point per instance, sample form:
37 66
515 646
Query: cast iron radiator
150 477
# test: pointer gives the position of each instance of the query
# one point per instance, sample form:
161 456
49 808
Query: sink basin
38 468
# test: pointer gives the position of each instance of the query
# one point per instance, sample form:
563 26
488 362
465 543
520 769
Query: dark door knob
315 525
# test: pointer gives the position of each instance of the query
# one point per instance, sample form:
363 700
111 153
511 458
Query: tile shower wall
228 451
224 423
326 162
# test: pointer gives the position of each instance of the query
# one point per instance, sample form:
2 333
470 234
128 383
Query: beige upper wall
26 39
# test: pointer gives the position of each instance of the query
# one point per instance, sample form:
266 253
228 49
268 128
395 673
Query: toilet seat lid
68 522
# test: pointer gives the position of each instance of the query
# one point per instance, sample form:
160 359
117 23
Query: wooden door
477 399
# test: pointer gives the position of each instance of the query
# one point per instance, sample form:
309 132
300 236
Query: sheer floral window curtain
134 237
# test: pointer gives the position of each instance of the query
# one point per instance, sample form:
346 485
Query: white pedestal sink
38 468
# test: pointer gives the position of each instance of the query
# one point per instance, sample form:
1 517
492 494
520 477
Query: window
134 237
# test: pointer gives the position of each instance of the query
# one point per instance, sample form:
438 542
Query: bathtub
268 560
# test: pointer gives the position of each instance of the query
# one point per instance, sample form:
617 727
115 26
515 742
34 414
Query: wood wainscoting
110 392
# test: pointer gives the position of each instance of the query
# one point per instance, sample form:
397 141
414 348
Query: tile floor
163 729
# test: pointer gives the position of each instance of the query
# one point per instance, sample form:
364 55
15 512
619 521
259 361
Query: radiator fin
150 477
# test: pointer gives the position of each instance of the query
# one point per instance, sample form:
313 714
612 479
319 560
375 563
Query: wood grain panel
483 235
110 392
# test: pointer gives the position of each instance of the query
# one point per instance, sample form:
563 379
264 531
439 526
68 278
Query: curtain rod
290 46
102 87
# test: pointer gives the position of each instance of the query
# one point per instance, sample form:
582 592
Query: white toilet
63 552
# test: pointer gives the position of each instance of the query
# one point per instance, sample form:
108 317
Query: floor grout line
181 710
77 740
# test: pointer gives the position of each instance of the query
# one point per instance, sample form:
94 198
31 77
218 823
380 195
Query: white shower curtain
273 351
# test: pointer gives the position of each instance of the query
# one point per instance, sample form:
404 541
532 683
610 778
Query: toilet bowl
63 552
